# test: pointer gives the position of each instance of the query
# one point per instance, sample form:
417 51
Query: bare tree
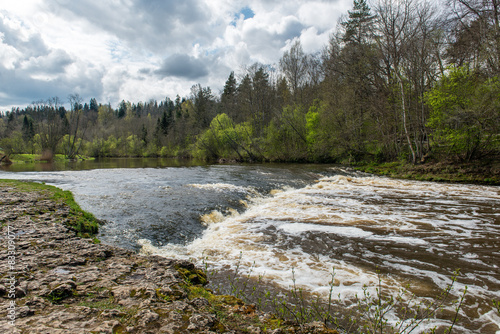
50 117
396 33
294 65
477 33
76 126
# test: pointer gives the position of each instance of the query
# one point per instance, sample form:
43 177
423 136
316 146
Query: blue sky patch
247 13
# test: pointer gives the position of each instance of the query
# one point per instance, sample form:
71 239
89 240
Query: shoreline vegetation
481 172
66 280
478 172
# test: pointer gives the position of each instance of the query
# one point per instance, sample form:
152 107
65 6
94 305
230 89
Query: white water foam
224 187
357 209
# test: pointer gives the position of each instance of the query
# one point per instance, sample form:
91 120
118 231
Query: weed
107 304
372 312
496 304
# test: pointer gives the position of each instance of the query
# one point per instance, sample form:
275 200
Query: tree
245 100
28 131
224 139
76 126
122 109
93 106
261 98
50 120
293 64
477 34
465 114
144 135
203 105
165 122
358 27
229 97
352 86
283 94
398 25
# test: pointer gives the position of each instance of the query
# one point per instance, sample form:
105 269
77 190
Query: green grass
106 304
85 224
33 158
30 158
474 172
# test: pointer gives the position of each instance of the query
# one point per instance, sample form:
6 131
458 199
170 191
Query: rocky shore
53 281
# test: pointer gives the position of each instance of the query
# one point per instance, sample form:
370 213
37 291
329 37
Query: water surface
307 217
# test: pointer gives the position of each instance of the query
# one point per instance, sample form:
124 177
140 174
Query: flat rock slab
55 282
67 284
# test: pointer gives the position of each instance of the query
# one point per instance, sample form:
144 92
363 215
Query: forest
400 80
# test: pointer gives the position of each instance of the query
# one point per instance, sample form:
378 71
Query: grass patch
232 312
106 304
84 223
31 158
37 158
486 173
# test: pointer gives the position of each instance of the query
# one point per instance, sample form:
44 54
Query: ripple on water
279 219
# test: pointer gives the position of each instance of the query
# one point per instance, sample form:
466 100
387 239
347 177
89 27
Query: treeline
402 80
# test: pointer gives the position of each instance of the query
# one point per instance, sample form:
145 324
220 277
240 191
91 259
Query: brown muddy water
311 218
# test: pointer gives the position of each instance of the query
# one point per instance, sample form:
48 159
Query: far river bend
311 218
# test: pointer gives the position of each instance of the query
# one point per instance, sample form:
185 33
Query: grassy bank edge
35 158
485 173
84 223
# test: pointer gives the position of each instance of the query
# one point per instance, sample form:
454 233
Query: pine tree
357 26
228 97
93 105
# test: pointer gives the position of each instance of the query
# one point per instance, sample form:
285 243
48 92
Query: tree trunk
405 126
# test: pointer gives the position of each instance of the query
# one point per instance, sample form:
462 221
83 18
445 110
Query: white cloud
312 41
140 50
53 63
330 12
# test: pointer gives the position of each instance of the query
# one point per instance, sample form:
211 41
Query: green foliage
362 100
357 25
13 144
105 304
191 274
286 135
111 147
58 295
134 146
224 139
312 126
496 304
465 114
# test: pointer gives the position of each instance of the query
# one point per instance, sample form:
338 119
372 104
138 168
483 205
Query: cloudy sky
139 50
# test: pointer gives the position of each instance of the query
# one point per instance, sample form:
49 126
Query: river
292 224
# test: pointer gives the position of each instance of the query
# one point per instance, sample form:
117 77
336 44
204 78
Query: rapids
268 219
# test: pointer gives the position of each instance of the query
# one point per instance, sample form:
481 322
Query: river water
292 224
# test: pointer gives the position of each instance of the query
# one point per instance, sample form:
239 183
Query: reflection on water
101 163
307 217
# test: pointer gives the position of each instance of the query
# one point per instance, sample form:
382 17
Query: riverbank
54 280
478 172
43 158
485 172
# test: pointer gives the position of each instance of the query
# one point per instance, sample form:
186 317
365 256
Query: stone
66 284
